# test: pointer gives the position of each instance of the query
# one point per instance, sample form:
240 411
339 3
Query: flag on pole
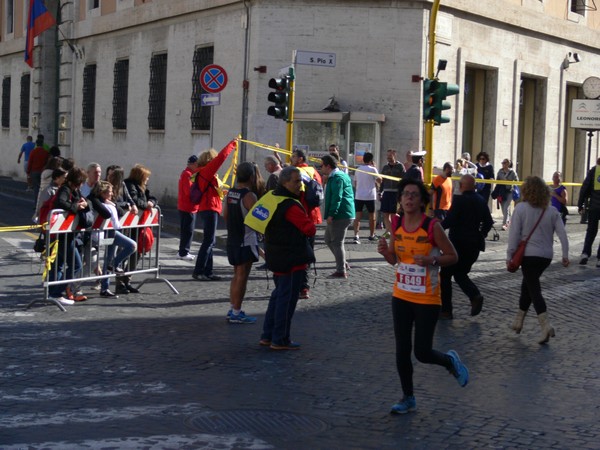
39 21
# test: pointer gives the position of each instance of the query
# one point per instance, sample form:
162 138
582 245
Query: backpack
313 191
45 209
195 192
427 225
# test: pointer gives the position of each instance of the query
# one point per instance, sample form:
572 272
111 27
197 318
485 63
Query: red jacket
211 201
183 197
37 160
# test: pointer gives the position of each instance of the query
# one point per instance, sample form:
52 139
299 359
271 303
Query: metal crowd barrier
63 228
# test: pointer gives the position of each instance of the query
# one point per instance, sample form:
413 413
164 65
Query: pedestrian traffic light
280 97
434 100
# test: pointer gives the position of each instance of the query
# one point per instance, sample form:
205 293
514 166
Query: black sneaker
584 259
122 289
108 293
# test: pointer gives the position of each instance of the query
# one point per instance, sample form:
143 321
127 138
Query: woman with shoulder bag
533 209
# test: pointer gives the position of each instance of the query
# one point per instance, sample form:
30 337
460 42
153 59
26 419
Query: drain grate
257 422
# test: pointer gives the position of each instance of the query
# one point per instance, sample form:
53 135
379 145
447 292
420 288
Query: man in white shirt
365 195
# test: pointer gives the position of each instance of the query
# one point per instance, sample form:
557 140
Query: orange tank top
415 283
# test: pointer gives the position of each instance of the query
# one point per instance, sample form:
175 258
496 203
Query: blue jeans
204 261
127 246
187 224
69 256
282 304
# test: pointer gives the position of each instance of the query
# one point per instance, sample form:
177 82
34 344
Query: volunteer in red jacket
187 209
209 209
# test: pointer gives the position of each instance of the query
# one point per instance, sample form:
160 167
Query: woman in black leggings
418 246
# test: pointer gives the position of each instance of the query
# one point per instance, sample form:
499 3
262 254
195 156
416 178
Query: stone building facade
120 82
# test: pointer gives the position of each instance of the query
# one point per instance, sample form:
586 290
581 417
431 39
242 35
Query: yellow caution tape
20 228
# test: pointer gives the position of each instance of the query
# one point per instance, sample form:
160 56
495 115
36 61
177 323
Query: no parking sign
213 78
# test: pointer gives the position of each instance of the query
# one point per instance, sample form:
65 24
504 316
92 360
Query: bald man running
469 221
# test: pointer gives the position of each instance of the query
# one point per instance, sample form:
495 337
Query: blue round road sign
213 78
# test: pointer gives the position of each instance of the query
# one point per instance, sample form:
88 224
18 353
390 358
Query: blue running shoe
241 318
408 403
459 370
229 313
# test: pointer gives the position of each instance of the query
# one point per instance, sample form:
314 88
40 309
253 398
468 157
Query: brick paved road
158 370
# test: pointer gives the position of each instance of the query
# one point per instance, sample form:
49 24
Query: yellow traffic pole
290 121
428 169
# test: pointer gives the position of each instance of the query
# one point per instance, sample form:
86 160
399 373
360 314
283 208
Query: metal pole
289 136
584 213
428 169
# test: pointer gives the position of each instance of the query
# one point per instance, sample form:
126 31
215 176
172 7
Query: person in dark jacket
140 195
469 221
591 188
280 216
487 172
68 198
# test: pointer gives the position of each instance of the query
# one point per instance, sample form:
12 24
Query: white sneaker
188 257
64 301
356 240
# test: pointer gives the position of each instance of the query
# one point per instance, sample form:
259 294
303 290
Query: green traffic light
428 99
434 100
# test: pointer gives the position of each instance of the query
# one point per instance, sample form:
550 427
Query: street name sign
315 58
585 114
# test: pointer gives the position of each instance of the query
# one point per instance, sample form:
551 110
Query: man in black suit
469 221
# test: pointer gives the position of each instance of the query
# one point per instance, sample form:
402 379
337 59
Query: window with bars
25 92
158 92
6 102
89 96
120 91
10 16
200 117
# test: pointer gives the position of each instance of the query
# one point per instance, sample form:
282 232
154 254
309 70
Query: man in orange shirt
442 192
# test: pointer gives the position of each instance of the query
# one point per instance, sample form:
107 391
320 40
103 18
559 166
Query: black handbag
39 246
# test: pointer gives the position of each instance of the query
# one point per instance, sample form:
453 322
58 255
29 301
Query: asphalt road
162 371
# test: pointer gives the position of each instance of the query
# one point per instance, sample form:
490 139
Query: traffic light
434 100
280 97
428 99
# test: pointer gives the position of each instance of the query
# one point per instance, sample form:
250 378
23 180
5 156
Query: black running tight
424 318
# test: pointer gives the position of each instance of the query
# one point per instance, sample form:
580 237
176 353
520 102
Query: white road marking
160 442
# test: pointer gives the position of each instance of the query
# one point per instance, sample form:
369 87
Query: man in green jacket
339 212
